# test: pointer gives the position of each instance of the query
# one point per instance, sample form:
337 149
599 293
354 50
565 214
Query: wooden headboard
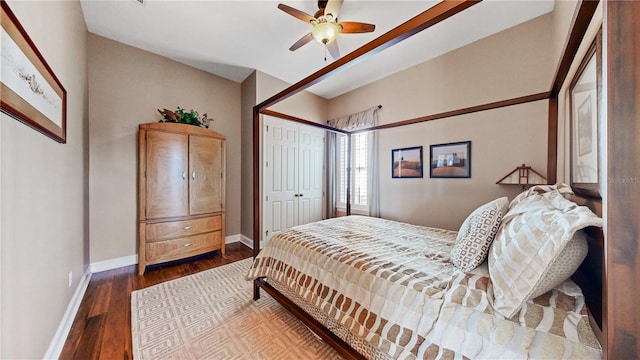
590 274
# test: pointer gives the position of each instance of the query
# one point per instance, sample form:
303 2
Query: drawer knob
188 227
187 245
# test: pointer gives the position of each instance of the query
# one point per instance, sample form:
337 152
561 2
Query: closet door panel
205 175
280 177
166 173
311 148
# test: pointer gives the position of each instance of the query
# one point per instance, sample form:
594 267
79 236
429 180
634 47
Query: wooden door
310 175
166 175
205 175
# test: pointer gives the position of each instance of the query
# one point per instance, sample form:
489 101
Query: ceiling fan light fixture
325 32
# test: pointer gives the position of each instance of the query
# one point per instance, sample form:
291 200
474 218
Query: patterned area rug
211 315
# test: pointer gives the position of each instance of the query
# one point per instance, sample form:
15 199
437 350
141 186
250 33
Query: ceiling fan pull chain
325 52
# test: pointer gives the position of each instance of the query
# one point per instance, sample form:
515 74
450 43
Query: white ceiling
232 38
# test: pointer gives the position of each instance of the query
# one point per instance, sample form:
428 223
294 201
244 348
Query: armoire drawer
161 251
183 228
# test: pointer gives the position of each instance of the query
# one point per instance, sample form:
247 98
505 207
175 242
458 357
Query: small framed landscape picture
406 162
452 160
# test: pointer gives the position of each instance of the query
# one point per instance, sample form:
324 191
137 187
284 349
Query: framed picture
585 93
29 90
407 162
452 160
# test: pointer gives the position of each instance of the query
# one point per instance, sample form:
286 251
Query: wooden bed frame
591 276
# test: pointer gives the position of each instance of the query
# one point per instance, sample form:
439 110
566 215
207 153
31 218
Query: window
359 202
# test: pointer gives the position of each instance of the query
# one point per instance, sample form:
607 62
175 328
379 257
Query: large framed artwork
407 162
451 160
29 90
585 99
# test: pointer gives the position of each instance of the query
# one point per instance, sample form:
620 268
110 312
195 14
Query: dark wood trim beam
468 110
621 32
256 188
579 25
302 121
552 141
424 20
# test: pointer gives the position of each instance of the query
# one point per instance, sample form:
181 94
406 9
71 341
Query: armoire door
205 175
166 175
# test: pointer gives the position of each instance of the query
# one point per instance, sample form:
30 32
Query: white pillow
565 265
477 233
532 237
559 189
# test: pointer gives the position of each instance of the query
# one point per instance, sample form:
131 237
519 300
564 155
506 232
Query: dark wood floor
102 327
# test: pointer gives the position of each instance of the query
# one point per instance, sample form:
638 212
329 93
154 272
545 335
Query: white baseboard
133 259
245 240
232 238
55 348
240 238
114 263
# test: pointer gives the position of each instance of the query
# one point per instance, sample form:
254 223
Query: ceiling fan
325 25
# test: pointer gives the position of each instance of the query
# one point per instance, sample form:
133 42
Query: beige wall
44 192
249 100
501 139
516 62
126 87
304 105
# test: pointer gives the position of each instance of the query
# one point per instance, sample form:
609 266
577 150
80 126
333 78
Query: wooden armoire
181 187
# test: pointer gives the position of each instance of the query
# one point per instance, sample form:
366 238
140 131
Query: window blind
359 171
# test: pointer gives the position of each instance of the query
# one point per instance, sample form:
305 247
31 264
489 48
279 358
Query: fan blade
296 13
303 40
333 8
333 49
349 27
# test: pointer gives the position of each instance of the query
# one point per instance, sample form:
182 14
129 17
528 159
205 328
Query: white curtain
373 178
358 121
332 188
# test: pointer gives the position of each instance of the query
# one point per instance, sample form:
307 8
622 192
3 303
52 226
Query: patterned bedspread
393 292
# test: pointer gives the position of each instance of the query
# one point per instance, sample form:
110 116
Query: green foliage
181 116
190 117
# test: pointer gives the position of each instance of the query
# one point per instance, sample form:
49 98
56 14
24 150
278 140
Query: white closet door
280 176
293 175
310 183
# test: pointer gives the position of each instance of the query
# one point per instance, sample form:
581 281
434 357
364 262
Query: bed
386 289
558 315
